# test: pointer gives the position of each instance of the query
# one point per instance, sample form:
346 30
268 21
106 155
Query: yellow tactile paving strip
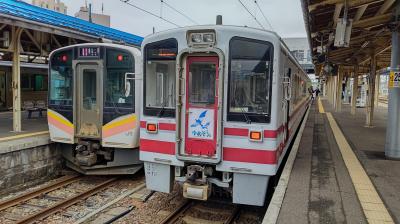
371 203
320 107
16 137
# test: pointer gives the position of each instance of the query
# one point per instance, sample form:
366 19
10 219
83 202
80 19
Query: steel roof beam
336 14
360 13
385 6
351 3
373 21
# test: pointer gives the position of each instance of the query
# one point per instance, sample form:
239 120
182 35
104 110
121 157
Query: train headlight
201 38
208 37
196 38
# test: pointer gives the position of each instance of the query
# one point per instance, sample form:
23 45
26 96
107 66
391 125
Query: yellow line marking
320 106
23 136
373 206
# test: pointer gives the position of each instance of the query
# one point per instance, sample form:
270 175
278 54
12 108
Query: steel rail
60 182
178 213
66 203
235 213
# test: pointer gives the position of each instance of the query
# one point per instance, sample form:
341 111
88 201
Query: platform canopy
370 31
28 16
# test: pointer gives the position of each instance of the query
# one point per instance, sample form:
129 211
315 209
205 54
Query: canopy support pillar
16 78
392 146
354 94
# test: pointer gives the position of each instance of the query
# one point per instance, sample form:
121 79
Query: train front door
201 106
88 100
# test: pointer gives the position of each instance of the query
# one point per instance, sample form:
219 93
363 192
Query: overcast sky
285 15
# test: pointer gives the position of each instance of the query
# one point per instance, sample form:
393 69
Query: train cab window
159 78
202 83
89 89
61 82
250 78
117 101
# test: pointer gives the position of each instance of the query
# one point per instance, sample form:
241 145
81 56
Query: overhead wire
262 13
179 12
255 18
148 12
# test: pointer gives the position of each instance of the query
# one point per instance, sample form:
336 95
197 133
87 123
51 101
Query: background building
300 48
100 19
55 5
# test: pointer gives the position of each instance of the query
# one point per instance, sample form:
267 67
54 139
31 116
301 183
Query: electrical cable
258 22
148 12
177 11
262 13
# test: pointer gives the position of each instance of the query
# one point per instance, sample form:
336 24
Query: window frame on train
243 116
161 111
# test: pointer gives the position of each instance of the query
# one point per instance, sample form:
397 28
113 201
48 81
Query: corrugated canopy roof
26 11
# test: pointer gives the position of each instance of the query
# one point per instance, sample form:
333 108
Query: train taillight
64 58
120 57
151 128
255 135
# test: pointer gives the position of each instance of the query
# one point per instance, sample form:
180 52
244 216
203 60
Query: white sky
285 15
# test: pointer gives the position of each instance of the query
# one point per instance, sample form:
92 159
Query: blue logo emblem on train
199 122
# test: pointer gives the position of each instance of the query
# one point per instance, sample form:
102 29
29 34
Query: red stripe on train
161 126
245 132
249 156
157 146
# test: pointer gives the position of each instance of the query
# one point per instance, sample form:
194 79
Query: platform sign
394 79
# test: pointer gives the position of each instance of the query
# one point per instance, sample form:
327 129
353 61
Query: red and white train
220 105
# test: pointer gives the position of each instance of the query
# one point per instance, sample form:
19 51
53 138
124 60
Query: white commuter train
220 107
93 107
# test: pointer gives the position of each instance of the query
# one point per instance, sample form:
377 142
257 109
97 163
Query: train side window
250 78
159 78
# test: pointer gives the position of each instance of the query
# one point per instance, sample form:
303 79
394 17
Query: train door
287 96
201 106
88 100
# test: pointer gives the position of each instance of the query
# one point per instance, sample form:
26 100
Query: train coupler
85 153
198 192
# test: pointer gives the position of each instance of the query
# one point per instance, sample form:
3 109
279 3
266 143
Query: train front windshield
116 63
117 101
250 80
159 78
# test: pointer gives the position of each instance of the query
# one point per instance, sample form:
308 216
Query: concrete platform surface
321 189
35 124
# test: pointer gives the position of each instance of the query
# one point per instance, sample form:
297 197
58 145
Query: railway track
42 203
203 212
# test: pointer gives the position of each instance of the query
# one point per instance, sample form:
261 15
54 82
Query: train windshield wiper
248 121
161 111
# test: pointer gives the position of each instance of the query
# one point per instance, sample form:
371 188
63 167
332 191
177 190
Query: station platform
340 174
30 127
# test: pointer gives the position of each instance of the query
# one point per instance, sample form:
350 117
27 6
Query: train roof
239 29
